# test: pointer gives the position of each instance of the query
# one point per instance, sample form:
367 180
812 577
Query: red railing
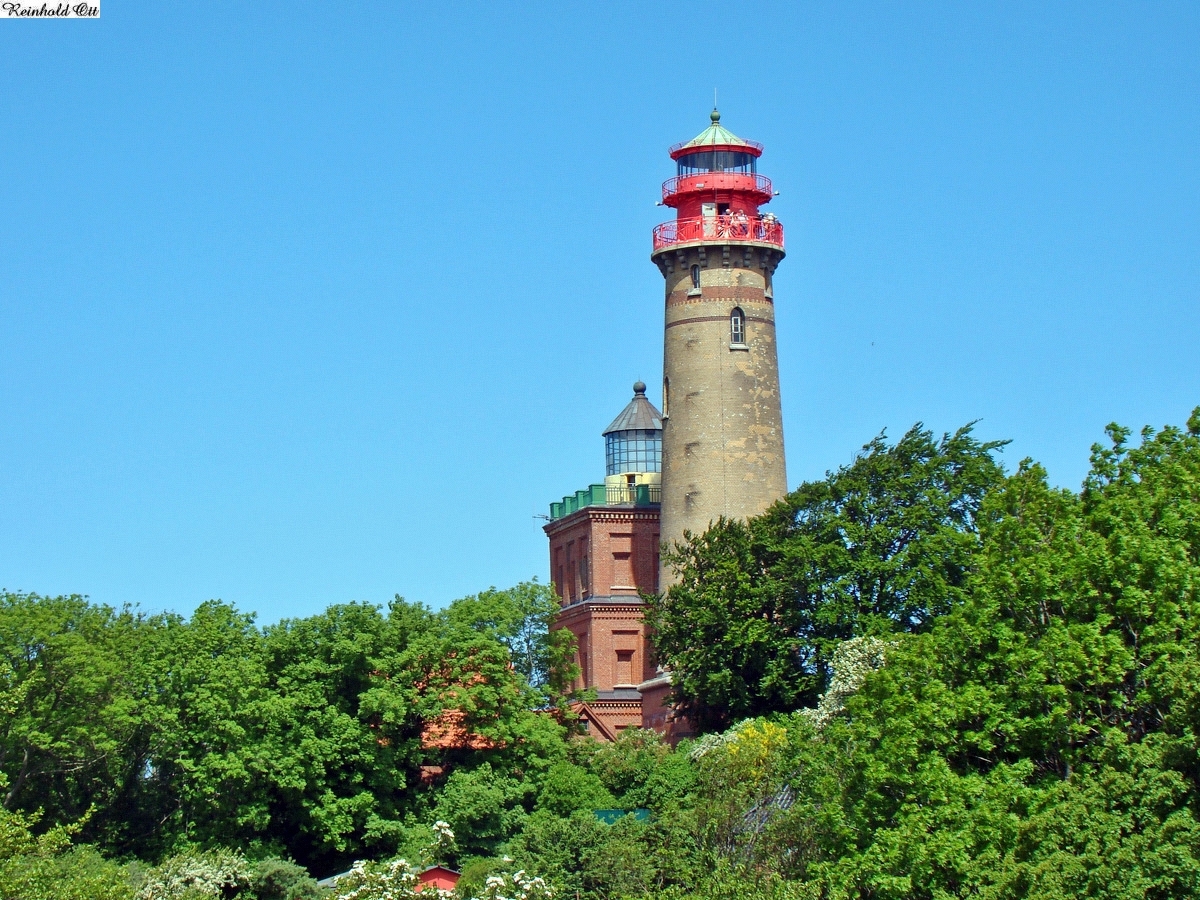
717 181
767 230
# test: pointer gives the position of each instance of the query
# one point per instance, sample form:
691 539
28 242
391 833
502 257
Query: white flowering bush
395 880
194 875
398 879
852 662
517 886
443 840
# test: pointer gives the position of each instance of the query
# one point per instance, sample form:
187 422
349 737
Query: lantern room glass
638 450
718 161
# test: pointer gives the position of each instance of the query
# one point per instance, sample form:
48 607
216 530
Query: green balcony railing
607 495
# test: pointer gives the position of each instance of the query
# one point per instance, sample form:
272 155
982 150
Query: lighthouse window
737 326
695 276
717 161
636 450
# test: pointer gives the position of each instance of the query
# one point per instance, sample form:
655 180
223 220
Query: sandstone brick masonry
722 419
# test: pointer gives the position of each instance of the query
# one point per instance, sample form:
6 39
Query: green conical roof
716 136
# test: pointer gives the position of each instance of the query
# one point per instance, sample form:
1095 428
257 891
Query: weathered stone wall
722 420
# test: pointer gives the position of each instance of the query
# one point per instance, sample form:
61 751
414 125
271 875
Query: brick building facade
604 544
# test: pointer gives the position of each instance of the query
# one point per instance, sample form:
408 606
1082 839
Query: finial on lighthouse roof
638 415
716 135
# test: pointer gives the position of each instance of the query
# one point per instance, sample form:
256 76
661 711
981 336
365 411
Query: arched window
695 276
737 326
666 397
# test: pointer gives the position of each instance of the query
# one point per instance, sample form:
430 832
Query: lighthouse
604 544
716 448
722 438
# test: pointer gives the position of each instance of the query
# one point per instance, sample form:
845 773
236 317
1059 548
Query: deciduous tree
882 545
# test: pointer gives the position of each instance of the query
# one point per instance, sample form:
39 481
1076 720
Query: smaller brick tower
603 554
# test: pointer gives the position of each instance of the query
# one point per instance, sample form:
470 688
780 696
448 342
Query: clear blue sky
305 303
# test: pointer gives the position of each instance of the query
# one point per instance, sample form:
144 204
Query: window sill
694 292
739 346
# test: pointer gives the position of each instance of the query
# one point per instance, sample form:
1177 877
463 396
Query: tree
883 545
76 709
641 771
208 768
46 867
520 618
583 857
483 808
1039 740
335 779
568 787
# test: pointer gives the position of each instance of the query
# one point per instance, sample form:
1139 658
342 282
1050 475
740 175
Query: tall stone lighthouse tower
722 452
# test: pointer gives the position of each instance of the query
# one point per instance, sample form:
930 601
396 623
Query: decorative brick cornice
605 608
602 514
599 705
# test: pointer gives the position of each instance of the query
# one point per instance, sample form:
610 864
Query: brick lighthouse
722 421
604 544
715 450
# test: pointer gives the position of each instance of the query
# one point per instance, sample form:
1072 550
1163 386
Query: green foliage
626 765
484 808
967 685
1039 739
282 879
46 867
73 706
329 772
568 787
581 855
519 618
725 880
206 757
308 738
882 545
640 771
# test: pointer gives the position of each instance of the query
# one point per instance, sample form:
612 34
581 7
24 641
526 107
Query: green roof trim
715 135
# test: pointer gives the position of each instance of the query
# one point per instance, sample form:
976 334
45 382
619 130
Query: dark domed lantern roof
639 415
